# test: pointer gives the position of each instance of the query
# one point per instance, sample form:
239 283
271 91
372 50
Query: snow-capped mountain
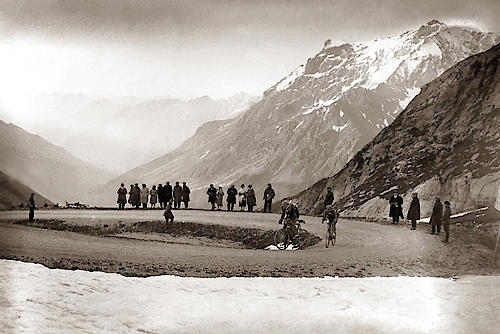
313 121
446 143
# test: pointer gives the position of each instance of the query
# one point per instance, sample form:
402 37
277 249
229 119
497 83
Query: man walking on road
268 198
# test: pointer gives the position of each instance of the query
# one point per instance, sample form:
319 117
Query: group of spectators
163 195
440 215
244 196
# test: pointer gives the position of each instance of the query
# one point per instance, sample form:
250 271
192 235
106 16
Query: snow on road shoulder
37 299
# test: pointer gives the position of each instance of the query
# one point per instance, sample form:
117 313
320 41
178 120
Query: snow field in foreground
38 299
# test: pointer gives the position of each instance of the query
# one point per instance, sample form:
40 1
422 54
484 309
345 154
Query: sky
187 49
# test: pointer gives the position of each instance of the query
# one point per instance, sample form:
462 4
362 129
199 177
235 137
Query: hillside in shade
313 121
446 143
45 167
13 193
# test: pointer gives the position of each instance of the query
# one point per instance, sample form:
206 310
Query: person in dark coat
168 192
396 210
436 216
161 196
212 195
185 194
251 198
329 197
231 197
268 198
31 206
177 195
122 197
135 195
130 195
414 211
446 220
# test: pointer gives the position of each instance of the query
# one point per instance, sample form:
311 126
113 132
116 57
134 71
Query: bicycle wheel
327 238
281 239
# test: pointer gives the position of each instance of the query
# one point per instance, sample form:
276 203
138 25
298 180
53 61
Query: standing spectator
219 198
268 198
168 212
168 192
414 211
242 197
212 195
437 214
130 195
135 195
144 196
122 197
161 196
153 199
396 209
329 197
446 220
185 194
177 195
231 197
251 199
32 206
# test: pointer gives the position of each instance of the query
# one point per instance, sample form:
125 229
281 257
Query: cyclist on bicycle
331 215
290 213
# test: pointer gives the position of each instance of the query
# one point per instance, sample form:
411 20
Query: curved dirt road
363 249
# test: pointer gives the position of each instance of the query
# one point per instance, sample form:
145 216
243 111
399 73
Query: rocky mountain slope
313 121
14 193
445 143
45 167
127 131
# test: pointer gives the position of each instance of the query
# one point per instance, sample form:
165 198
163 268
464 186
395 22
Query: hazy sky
191 48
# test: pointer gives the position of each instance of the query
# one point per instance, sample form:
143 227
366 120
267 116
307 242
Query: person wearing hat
396 210
212 195
231 197
251 199
329 197
185 195
436 216
268 198
32 206
446 220
177 194
122 197
413 213
219 198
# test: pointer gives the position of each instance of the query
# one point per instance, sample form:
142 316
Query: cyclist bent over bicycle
331 215
290 214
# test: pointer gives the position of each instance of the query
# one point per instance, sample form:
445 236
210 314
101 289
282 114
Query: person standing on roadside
136 196
231 197
130 195
219 198
436 216
446 220
31 206
268 198
396 210
251 199
168 192
242 197
414 211
177 195
329 197
161 196
212 195
144 196
185 195
153 196
122 197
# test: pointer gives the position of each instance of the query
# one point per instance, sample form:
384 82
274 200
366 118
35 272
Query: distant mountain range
446 143
48 169
117 134
313 121
14 193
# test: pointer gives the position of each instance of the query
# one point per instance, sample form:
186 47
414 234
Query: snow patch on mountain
288 80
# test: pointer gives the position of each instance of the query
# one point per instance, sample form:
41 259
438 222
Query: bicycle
331 233
284 237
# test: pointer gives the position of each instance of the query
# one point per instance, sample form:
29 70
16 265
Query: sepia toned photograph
250 166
